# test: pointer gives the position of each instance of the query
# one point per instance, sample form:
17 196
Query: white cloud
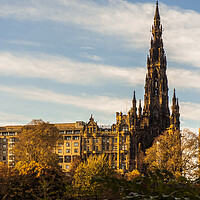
24 42
91 57
97 103
65 70
10 118
181 78
117 17
190 111
104 104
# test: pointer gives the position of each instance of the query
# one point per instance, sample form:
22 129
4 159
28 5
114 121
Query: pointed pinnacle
174 96
140 103
177 102
91 118
134 95
157 15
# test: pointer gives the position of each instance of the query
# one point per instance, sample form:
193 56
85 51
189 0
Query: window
125 128
114 166
59 150
61 132
60 144
96 140
156 84
4 139
60 159
10 152
114 140
124 139
67 167
4 145
4 152
76 144
123 147
67 144
75 150
5 133
88 148
114 148
11 145
75 137
77 132
68 159
86 140
67 150
68 132
107 140
67 137
123 166
104 140
12 133
4 157
103 148
95 148
107 147
123 157
12 139
11 158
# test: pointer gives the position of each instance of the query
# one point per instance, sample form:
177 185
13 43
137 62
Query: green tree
88 176
174 152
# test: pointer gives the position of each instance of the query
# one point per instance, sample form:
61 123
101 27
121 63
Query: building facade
125 142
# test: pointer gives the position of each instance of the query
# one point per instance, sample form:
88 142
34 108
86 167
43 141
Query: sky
63 60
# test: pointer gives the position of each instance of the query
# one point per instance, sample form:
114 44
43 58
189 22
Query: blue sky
62 60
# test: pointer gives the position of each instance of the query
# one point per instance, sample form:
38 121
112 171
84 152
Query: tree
90 176
130 176
75 163
34 148
37 165
165 152
189 147
174 152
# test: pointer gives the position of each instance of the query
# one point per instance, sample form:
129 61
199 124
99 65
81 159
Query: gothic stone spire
156 86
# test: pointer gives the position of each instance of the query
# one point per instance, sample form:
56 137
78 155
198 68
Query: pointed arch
155 83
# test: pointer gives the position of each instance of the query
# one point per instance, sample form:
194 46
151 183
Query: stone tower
156 110
155 118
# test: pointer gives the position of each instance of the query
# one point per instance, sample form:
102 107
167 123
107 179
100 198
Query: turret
175 116
140 109
134 105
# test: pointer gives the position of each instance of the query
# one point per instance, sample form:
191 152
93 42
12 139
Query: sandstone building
126 141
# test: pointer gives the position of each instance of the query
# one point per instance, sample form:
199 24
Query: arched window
155 114
155 83
155 86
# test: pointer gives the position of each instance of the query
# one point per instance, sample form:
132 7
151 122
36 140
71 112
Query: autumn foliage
38 176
